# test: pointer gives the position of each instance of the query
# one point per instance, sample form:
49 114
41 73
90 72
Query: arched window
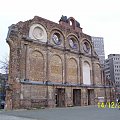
72 22
56 38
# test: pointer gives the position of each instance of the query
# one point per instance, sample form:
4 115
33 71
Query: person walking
118 103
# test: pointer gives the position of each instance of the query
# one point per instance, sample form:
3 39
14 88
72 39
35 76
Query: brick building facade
52 65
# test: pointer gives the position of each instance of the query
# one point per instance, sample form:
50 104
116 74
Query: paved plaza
71 113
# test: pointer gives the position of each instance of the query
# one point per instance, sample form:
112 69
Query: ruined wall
49 61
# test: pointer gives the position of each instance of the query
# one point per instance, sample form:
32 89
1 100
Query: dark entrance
76 97
90 97
60 97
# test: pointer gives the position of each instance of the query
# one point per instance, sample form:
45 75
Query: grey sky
100 18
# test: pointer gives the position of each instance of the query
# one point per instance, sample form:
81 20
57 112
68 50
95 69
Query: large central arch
72 71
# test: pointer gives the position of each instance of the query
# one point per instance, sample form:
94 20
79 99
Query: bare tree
4 64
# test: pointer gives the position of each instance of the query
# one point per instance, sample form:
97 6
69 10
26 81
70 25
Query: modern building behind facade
52 65
112 69
98 43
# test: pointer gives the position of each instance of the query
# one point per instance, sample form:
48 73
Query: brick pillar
65 66
81 70
13 94
92 72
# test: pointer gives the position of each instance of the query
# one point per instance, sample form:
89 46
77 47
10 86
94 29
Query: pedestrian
116 100
119 103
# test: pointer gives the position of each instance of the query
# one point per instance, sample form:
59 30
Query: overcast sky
100 18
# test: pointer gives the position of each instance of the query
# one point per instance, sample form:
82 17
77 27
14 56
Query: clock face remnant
86 47
56 38
38 33
72 43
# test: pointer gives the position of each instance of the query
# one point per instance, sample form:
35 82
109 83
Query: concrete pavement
8 117
71 113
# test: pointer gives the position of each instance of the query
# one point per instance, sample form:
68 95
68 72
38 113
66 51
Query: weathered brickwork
53 65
